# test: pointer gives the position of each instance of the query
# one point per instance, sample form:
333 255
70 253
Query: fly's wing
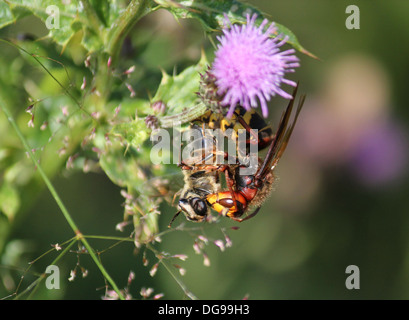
167 185
202 151
171 183
206 147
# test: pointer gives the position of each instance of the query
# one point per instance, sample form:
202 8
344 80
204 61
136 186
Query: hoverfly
192 200
202 179
257 131
202 186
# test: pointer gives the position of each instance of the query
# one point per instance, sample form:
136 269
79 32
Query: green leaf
6 16
292 39
128 108
211 14
9 200
60 25
178 92
9 16
107 11
120 166
122 158
93 17
134 133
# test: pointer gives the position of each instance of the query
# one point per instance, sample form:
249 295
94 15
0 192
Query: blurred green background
341 198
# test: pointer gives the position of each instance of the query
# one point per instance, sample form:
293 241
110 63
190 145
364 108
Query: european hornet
246 190
201 179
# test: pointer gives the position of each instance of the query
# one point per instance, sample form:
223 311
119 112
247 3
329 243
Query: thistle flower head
249 65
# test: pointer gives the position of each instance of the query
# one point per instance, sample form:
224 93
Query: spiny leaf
178 92
60 25
212 15
64 19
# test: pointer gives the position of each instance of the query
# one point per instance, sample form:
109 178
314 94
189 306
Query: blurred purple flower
381 155
249 65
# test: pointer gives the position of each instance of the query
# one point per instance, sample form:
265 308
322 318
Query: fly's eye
182 202
199 206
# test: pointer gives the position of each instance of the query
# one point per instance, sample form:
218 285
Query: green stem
67 92
57 198
108 59
187 292
192 113
120 28
109 238
37 283
93 19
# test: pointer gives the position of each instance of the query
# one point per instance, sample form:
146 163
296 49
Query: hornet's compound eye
199 206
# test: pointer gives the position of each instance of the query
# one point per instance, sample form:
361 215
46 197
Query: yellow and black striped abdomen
241 119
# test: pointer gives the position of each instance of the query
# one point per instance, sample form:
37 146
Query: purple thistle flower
249 65
381 155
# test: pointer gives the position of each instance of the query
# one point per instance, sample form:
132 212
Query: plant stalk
57 198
